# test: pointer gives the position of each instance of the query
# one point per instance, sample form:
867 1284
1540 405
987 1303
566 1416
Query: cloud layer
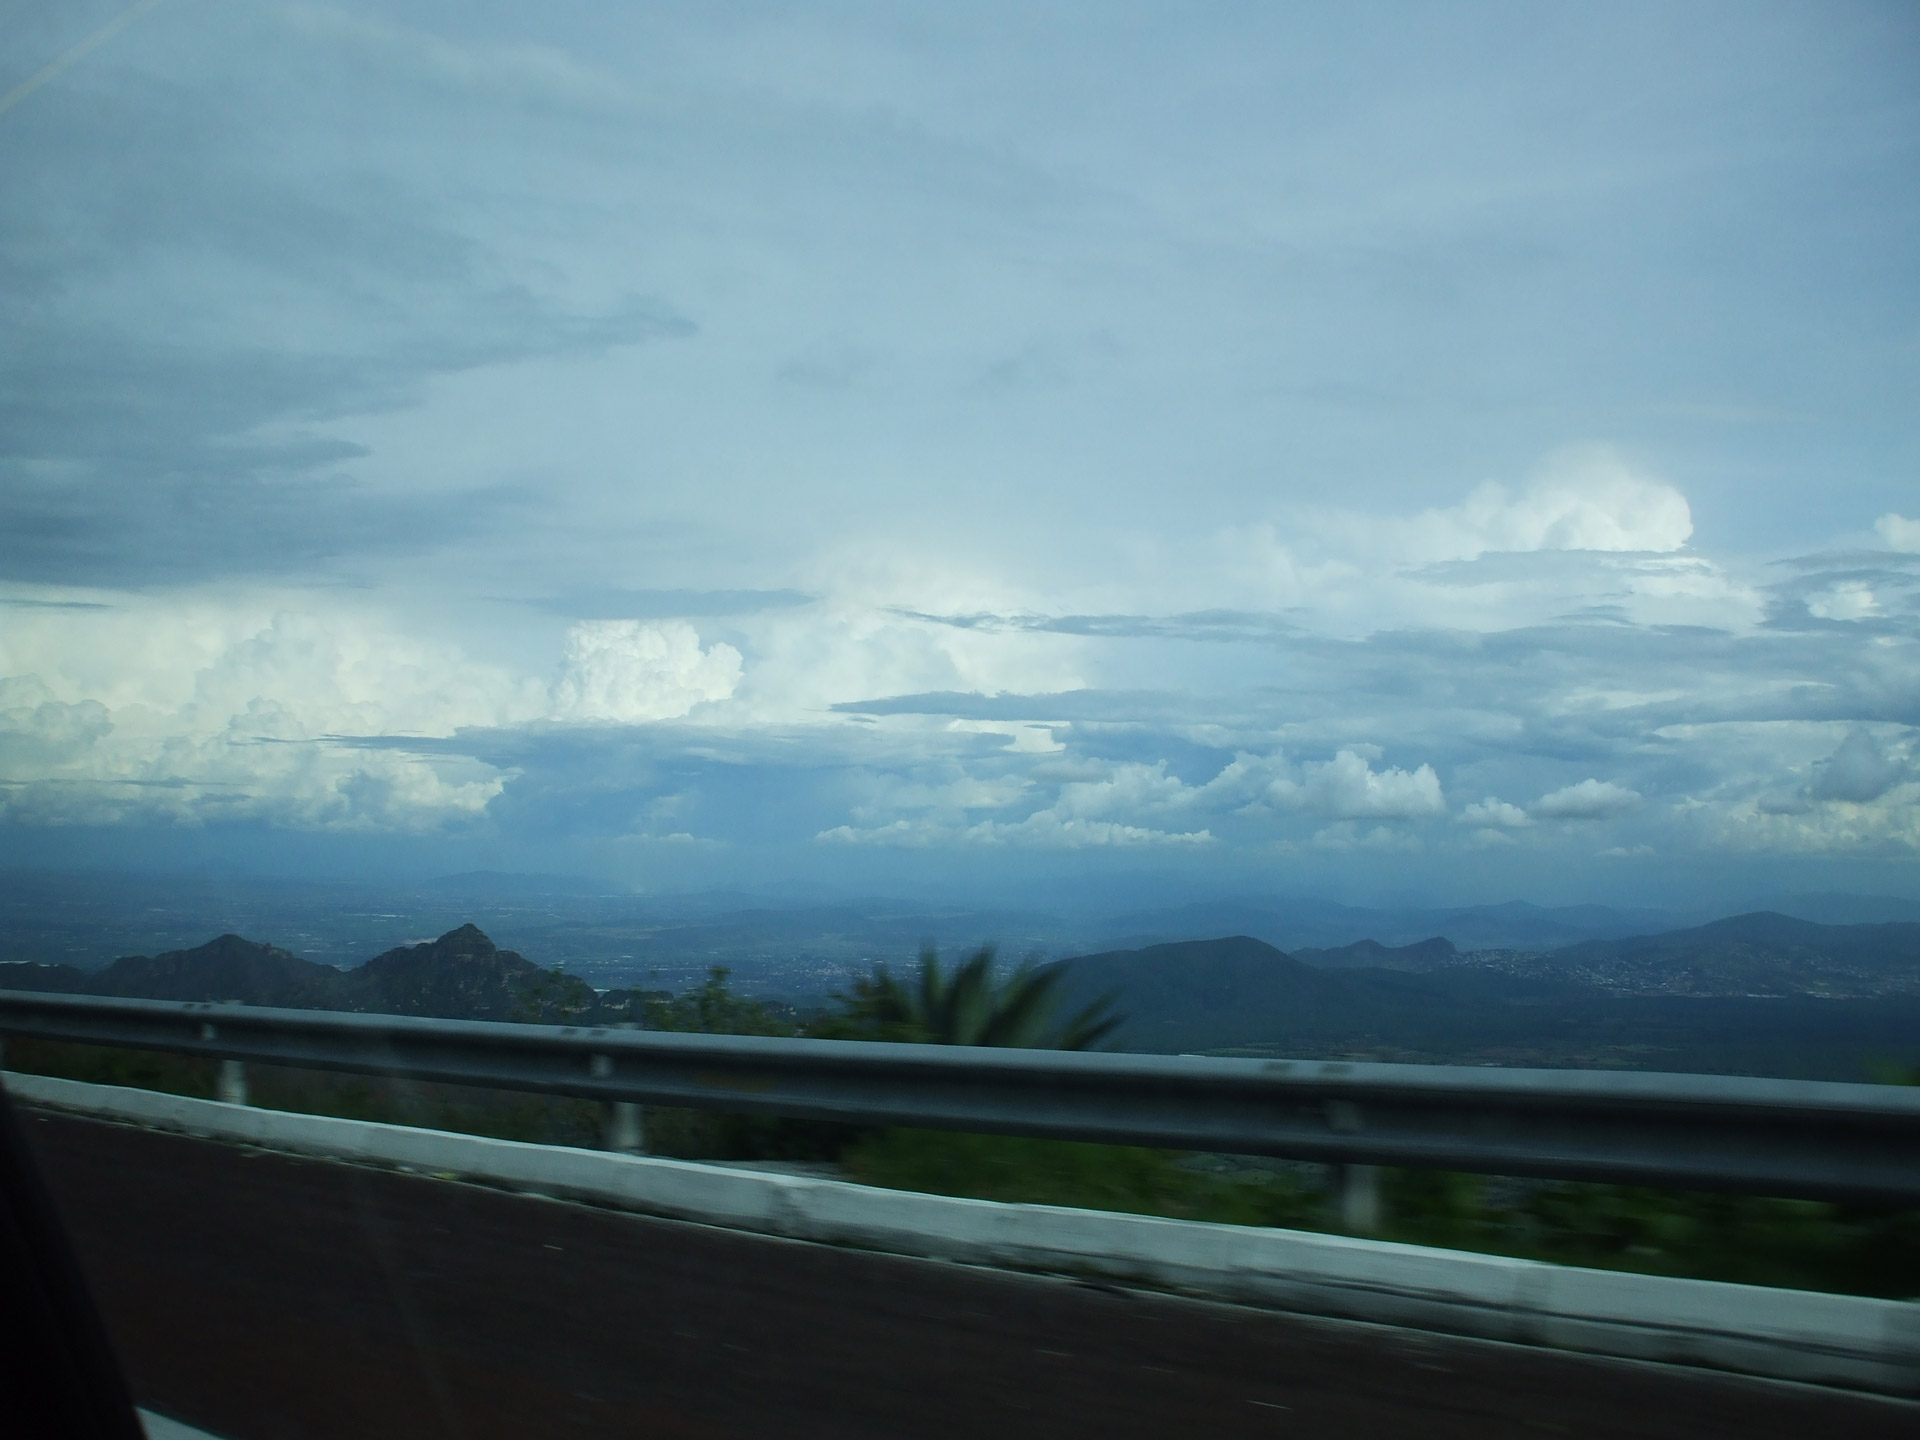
809 725
1002 444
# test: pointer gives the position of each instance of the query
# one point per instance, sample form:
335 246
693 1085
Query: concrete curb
1787 1334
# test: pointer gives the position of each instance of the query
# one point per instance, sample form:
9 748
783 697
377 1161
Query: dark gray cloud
1132 706
1202 625
127 459
181 530
177 302
1857 771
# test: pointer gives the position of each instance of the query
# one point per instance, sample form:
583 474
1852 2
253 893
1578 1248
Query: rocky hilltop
465 975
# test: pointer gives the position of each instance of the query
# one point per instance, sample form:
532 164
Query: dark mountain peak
467 945
468 940
233 947
464 974
1230 947
1191 993
229 967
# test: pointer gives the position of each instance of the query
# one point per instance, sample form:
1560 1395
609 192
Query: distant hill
1241 995
1835 909
1297 924
1209 994
53 979
1436 953
1760 993
228 968
1758 954
465 975
461 976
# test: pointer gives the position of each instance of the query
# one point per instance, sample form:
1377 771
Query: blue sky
1461 452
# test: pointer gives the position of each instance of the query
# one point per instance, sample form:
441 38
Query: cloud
685 315
630 671
1043 830
1590 536
190 712
196 301
1348 788
1495 812
1587 499
1856 772
1070 705
1047 829
39 733
1347 835
1588 800
1899 532
491 72
1887 826
610 602
1845 600
1201 625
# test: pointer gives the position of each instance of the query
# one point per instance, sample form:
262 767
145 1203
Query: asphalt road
269 1298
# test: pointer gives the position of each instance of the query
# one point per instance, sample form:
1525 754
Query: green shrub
1067 1172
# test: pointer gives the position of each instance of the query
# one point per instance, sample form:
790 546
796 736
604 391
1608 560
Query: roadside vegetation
1793 1243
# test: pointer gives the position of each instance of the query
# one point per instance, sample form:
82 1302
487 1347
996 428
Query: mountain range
1756 994
1762 953
1759 993
462 975
1758 954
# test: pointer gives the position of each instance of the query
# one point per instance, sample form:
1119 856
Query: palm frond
970 1006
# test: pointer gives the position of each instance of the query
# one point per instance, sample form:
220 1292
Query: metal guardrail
1776 1137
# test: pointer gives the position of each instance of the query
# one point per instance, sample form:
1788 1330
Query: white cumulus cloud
1495 812
1587 499
1848 600
634 671
188 709
1589 800
1348 788
1898 531
1042 830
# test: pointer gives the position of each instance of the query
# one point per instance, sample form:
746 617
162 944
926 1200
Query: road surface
264 1297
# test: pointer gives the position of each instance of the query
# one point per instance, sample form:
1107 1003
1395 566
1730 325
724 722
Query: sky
1448 453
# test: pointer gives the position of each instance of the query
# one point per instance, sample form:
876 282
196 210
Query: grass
1065 1172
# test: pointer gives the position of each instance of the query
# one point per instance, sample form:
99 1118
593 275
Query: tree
709 1008
970 1007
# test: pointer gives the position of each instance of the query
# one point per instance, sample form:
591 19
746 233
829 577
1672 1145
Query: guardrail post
1361 1210
623 1124
232 1084
624 1128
